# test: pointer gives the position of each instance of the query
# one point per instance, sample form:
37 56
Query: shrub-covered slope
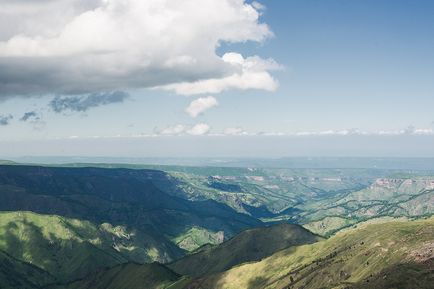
67 248
131 276
249 245
15 274
136 200
383 255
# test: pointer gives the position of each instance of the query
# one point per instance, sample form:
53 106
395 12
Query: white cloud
202 128
78 46
199 129
258 5
173 130
411 130
424 131
249 73
234 131
180 129
200 105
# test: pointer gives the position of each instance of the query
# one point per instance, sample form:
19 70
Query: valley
102 225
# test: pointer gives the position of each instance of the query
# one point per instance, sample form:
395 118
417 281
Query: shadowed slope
16 274
402 276
135 199
131 276
249 245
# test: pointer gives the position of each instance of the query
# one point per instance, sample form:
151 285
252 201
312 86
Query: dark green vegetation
392 254
384 255
249 245
67 248
324 200
103 217
131 276
17 274
91 227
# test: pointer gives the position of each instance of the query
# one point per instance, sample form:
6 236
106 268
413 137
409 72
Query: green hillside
133 202
249 245
67 248
323 200
383 255
15 274
131 276
412 201
61 223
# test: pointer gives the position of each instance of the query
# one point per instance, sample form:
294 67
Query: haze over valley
216 144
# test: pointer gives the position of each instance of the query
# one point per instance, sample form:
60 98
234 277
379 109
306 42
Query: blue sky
348 71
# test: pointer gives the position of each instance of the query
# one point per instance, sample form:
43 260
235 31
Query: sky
211 78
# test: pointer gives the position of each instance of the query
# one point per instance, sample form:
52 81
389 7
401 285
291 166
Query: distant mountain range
397 163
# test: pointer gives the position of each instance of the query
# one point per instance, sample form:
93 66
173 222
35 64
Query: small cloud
234 131
173 130
180 129
83 103
5 119
423 131
263 133
31 116
199 129
200 105
409 130
258 6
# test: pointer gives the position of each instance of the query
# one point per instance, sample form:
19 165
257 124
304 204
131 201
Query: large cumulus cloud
78 47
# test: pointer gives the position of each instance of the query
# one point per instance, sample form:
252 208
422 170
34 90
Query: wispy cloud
5 119
200 105
34 118
172 130
203 129
199 129
30 116
249 73
180 129
234 131
83 103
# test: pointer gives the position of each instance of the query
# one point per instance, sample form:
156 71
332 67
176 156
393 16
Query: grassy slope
16 274
350 258
411 197
324 200
67 248
131 276
249 245
136 199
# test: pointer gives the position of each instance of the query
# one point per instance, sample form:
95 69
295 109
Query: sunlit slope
67 248
16 274
160 224
323 200
411 197
249 245
384 254
129 276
